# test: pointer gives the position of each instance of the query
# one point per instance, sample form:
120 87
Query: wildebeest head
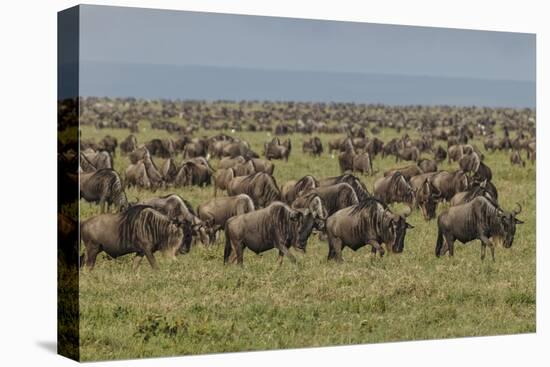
426 198
397 229
508 222
200 230
305 221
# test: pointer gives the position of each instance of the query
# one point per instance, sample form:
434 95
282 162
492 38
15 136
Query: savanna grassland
196 305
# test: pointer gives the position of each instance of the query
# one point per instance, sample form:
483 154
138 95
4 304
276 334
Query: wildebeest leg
239 249
284 250
487 242
280 258
449 241
151 259
376 248
137 261
102 205
335 249
92 250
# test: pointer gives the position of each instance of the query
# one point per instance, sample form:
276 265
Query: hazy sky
116 35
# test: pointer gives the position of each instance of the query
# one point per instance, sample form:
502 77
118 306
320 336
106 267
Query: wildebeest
136 176
276 226
478 219
469 162
483 173
359 188
99 160
447 184
140 229
103 187
426 199
516 159
335 197
216 211
292 189
313 202
394 189
193 174
407 154
313 146
163 148
181 212
369 222
228 162
169 170
129 144
222 177
427 165
407 172
109 144
440 154
263 165
261 187
362 163
345 158
484 189
277 150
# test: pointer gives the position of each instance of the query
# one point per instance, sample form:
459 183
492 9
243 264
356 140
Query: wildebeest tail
439 243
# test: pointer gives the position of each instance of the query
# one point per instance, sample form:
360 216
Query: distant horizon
153 53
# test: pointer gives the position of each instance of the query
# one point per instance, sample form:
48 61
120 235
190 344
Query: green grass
197 305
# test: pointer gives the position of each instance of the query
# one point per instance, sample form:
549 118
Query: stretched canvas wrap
235 183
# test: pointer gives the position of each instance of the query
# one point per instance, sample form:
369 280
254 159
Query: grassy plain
197 305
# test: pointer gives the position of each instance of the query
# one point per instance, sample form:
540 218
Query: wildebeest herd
250 209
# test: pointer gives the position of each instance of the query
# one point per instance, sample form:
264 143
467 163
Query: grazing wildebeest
181 212
426 199
417 181
261 187
345 159
427 165
222 177
140 229
109 144
407 154
483 173
440 154
292 189
469 162
455 152
99 160
313 202
369 222
484 189
447 184
263 165
277 226
516 159
394 189
313 146
193 174
103 187
277 150
228 162
407 172
374 147
216 211
136 176
169 171
362 163
479 219
359 188
335 197
85 164
129 144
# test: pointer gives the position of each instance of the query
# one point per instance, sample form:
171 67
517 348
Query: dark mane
302 183
185 202
355 183
367 203
142 222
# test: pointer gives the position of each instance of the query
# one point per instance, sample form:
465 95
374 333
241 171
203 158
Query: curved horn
517 210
